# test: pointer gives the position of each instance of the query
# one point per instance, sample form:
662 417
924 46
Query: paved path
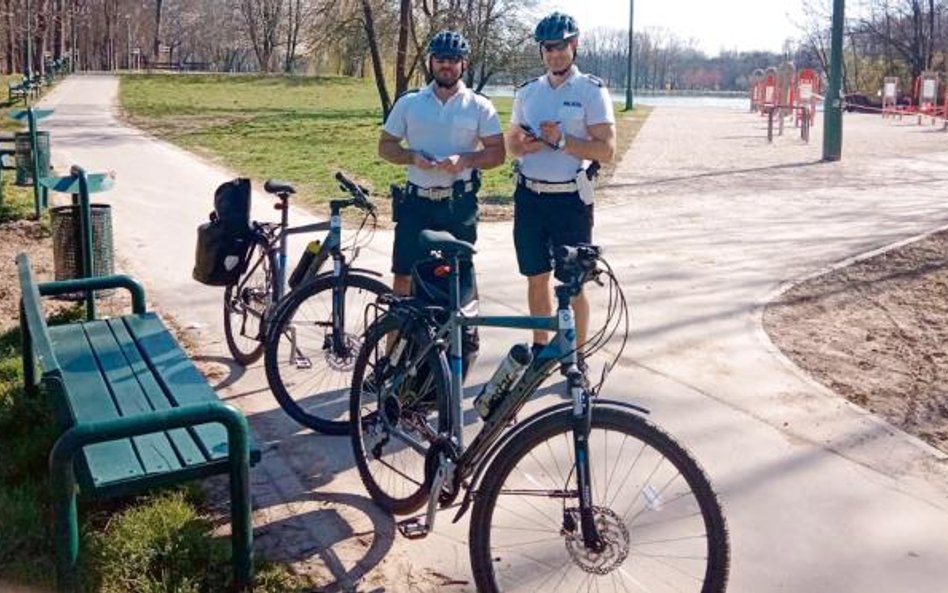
704 223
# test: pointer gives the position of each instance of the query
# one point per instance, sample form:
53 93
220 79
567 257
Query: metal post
628 68
833 106
85 224
39 193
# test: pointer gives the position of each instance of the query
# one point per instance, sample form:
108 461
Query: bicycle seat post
284 207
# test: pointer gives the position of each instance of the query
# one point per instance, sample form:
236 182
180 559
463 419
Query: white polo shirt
579 102
442 129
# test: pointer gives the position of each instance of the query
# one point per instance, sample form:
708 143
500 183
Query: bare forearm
514 145
395 153
487 157
594 150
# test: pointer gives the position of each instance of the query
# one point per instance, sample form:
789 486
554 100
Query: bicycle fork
582 421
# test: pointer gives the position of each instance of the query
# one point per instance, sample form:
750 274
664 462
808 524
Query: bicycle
258 293
314 333
587 494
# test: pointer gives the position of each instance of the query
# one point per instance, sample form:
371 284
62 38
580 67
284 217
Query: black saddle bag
224 243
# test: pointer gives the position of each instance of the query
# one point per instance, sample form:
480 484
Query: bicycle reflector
442 271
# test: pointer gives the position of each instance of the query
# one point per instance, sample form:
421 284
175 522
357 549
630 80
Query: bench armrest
98 283
77 437
63 478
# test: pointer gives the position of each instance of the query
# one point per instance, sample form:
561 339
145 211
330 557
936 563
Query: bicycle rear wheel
396 412
246 303
309 367
655 510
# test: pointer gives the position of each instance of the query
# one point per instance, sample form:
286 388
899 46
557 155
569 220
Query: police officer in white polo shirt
450 133
562 127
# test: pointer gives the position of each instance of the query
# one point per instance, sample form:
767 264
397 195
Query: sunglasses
555 45
451 59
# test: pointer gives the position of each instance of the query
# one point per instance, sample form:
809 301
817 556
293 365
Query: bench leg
241 524
26 345
66 528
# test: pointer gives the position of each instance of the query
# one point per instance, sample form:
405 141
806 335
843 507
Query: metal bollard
770 125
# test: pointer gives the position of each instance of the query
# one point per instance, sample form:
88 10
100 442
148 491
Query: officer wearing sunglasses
445 133
562 127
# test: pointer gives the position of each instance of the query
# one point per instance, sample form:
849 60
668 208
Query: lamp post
628 68
833 104
128 43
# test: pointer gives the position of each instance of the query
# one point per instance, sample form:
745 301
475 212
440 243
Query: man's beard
448 85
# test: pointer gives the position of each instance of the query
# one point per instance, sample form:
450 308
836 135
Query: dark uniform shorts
456 215
543 222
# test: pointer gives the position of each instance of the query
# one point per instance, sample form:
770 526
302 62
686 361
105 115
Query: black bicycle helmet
556 27
449 43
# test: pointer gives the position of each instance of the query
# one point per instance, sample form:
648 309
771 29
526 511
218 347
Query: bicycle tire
393 473
303 376
684 501
257 294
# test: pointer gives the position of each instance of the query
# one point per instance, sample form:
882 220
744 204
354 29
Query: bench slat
178 376
90 401
188 451
155 451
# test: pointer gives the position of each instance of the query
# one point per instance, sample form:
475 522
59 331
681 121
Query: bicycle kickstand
414 527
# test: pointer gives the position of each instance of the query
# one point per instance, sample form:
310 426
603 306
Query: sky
744 25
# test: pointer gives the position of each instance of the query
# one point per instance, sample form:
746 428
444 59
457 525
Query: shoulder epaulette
408 92
595 80
523 84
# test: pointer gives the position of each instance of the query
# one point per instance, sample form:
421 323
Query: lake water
703 102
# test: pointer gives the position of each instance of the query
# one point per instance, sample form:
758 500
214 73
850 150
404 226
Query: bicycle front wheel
309 357
396 412
656 513
246 304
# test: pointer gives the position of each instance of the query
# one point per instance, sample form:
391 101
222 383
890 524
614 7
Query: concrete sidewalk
704 222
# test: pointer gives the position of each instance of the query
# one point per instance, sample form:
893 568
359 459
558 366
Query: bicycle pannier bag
223 243
232 205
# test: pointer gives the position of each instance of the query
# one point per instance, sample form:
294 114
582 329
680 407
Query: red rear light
442 270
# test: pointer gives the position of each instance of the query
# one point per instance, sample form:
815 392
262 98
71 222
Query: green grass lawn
299 129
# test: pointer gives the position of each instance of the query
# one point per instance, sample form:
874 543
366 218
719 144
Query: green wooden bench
17 90
135 412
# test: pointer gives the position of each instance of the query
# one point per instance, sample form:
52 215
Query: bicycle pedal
413 528
303 364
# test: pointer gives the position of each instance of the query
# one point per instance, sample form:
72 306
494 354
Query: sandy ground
875 332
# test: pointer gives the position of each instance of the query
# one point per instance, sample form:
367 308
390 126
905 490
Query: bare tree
262 19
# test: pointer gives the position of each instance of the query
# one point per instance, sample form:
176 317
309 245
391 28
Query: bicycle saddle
275 186
445 242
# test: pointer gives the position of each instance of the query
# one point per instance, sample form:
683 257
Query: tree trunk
157 44
401 53
11 37
369 24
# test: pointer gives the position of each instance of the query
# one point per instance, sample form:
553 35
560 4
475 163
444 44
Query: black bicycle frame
561 349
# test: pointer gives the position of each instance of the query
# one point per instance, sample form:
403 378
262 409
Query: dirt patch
875 332
33 238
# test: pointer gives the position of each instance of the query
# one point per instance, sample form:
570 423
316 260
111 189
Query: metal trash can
67 243
24 156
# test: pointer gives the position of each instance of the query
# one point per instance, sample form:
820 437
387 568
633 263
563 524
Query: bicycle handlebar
579 261
360 195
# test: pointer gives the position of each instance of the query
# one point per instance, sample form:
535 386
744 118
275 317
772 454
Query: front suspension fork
582 422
